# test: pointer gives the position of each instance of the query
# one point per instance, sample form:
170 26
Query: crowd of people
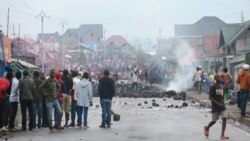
47 98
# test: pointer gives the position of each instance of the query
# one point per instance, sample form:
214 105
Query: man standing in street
14 99
50 87
106 90
218 107
73 98
227 79
84 99
37 100
243 80
68 84
26 86
197 80
4 86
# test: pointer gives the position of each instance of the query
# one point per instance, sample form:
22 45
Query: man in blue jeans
50 87
37 100
243 80
106 90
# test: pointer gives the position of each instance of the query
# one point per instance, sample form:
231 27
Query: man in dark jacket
26 87
68 85
37 100
106 90
50 87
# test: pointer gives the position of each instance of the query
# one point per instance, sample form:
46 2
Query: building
117 45
88 34
2 61
202 36
19 49
51 41
235 42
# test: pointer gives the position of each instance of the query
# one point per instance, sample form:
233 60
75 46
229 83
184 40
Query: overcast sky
130 18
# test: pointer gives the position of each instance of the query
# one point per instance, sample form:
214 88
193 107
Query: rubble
125 90
155 104
184 104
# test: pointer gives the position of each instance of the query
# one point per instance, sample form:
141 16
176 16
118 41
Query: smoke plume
185 69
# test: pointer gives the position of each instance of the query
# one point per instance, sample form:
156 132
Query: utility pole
42 15
18 41
63 23
159 40
14 34
242 17
8 20
104 46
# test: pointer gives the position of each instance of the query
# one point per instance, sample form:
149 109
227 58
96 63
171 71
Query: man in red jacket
4 86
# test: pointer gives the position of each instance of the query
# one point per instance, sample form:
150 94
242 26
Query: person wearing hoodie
84 99
106 90
243 80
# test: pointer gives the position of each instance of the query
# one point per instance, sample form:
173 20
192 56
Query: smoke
185 70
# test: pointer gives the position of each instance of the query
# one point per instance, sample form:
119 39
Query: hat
245 66
58 76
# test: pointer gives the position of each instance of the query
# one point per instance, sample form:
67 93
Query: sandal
224 137
206 132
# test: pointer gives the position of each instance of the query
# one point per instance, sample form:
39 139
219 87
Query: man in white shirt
14 98
134 80
73 96
197 80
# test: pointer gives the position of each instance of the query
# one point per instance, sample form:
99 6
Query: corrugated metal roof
85 29
206 26
227 33
24 63
237 59
46 36
95 29
246 26
245 49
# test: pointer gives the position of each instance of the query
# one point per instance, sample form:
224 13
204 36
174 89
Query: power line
18 9
26 5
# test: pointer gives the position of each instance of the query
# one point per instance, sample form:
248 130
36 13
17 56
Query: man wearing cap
244 81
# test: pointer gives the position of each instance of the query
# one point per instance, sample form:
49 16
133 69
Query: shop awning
25 64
